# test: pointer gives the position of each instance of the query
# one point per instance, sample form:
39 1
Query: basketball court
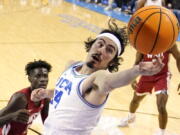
56 33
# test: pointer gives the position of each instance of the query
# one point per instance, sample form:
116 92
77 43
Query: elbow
107 85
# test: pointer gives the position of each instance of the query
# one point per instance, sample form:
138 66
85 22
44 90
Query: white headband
114 39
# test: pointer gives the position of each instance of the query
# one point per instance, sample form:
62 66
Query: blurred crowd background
129 6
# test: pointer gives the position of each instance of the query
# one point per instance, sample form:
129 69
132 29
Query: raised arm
40 93
105 81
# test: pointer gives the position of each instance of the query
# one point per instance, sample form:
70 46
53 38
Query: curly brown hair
37 64
121 34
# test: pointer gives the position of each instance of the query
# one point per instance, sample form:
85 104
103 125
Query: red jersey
17 128
165 60
159 81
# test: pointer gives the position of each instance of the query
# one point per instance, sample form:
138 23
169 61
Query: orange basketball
153 29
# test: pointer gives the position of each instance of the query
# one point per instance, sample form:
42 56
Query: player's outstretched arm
40 93
105 81
143 68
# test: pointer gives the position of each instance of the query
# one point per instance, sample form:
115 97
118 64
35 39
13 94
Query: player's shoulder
101 73
19 100
21 95
71 63
24 90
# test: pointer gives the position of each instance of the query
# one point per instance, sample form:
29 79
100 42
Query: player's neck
84 69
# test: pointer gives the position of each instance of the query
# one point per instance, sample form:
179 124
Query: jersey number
57 98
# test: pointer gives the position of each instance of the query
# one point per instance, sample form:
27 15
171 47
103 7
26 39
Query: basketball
153 29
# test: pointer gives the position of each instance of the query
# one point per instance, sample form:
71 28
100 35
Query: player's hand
134 84
151 68
21 116
38 94
178 89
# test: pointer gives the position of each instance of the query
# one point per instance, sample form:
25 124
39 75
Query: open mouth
42 85
96 57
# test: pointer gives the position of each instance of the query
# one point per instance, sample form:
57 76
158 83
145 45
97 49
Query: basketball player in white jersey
83 88
142 3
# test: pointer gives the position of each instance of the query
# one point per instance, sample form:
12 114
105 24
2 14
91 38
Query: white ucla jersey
153 3
70 113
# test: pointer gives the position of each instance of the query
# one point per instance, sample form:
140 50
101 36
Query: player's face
101 53
39 78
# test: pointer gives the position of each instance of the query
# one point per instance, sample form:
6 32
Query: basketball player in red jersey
20 112
160 84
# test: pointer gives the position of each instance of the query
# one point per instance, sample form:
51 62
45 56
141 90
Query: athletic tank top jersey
70 113
153 2
16 128
165 60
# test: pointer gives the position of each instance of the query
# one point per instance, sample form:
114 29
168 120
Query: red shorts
158 82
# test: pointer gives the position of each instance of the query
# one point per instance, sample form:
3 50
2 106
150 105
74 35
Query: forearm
123 78
5 119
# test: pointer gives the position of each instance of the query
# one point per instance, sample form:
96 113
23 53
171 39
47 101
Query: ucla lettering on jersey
70 113
63 86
